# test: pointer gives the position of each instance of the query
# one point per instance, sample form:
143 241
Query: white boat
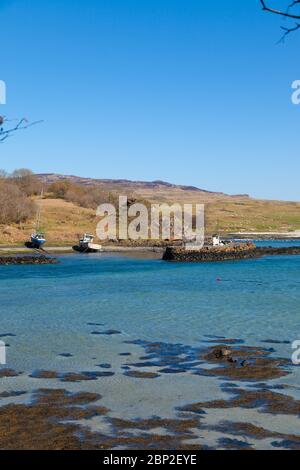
87 245
216 240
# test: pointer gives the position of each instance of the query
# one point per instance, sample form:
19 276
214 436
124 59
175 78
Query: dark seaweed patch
286 444
84 376
249 430
233 444
44 374
70 376
107 332
177 357
235 362
141 375
12 394
173 370
55 412
47 411
275 341
225 341
174 426
264 400
9 373
243 363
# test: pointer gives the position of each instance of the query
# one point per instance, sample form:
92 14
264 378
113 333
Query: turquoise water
53 310
151 299
277 243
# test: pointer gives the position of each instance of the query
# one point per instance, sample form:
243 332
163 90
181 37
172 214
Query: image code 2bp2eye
172 459
151 459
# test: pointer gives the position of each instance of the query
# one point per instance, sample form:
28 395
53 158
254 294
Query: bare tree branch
287 13
6 132
295 2
288 31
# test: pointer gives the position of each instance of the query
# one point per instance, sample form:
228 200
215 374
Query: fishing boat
87 245
216 240
38 237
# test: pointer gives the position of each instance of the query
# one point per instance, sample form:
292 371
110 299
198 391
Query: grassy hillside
61 220
64 221
253 216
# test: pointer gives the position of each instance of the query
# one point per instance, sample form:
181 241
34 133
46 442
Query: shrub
59 189
90 197
15 206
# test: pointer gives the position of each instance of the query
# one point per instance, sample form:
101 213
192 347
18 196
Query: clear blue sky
188 91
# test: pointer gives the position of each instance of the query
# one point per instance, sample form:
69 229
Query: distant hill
65 221
143 189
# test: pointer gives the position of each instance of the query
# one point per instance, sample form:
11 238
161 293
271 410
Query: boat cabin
216 241
87 238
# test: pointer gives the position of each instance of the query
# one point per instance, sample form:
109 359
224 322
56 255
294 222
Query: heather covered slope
151 190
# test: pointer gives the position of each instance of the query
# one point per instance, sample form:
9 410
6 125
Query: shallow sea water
54 312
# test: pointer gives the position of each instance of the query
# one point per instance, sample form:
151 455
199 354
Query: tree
290 11
26 181
6 129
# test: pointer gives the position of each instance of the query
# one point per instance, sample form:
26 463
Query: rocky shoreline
12 260
228 253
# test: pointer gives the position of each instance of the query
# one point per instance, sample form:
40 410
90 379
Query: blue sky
192 92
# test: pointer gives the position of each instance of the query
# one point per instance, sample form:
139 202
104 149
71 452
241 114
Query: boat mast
38 216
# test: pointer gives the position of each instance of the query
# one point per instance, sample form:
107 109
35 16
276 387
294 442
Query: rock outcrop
225 253
7 260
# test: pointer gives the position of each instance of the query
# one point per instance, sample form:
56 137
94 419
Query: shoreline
56 249
284 236
7 250
231 252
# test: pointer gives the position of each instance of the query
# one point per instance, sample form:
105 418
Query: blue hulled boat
38 240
